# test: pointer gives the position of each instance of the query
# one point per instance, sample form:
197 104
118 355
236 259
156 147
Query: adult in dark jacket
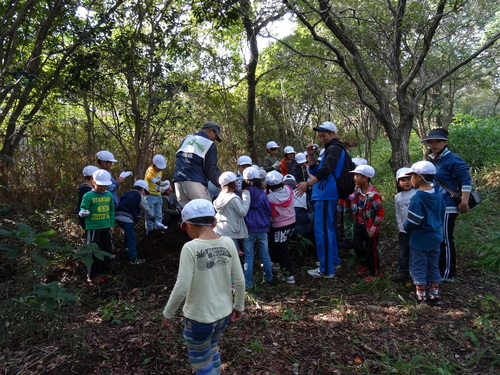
324 197
196 164
452 172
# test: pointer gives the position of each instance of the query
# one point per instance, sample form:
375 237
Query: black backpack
344 179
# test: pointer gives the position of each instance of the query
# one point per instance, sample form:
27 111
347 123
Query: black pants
278 247
102 237
366 247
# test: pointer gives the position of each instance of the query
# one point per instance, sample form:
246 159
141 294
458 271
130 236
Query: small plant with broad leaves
50 295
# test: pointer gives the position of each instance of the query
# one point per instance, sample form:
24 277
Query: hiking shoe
434 300
137 262
417 298
290 280
317 273
362 270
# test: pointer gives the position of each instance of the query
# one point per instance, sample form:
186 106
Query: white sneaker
335 267
290 280
317 273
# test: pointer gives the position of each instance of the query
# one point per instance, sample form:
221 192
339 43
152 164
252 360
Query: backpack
344 179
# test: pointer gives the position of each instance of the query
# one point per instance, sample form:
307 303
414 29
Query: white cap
89 170
102 177
164 186
289 177
326 126
289 150
197 208
159 161
300 158
274 178
271 144
402 172
359 161
250 173
143 184
365 170
244 160
105 156
226 178
422 167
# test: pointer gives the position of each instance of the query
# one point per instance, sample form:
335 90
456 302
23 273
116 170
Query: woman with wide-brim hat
452 173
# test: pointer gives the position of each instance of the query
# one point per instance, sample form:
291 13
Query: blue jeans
424 266
129 231
202 340
248 249
154 202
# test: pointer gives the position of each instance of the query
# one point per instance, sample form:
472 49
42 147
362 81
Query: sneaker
336 267
137 261
434 300
369 279
362 270
275 266
317 273
290 280
417 298
97 280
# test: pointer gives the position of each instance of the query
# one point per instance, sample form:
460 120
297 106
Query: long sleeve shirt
206 269
402 202
102 210
367 208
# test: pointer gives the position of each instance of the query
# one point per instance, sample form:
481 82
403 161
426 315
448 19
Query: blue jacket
425 220
130 205
326 187
192 167
258 218
452 171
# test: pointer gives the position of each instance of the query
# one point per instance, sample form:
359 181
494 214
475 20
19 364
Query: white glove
125 174
160 225
84 213
277 165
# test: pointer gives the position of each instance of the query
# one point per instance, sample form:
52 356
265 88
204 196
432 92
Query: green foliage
476 140
87 252
488 252
24 241
120 311
51 294
291 315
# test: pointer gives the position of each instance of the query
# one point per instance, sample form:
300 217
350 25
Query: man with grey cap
196 164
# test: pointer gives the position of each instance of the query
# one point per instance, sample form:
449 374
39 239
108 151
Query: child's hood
223 199
282 197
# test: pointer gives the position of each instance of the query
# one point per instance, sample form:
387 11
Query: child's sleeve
415 216
379 210
399 214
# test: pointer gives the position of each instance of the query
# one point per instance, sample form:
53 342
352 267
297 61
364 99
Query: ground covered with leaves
317 326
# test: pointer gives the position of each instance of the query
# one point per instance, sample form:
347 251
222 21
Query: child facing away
282 222
128 214
368 213
207 265
402 199
98 209
258 222
231 209
87 172
153 178
425 226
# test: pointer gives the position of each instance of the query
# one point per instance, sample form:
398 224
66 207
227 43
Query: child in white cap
170 206
207 265
98 209
368 212
282 222
425 225
153 177
270 160
288 162
244 162
402 199
87 172
231 209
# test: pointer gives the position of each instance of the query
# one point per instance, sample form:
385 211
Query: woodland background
135 77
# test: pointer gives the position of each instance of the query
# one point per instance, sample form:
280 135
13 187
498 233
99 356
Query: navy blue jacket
425 220
191 167
130 205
